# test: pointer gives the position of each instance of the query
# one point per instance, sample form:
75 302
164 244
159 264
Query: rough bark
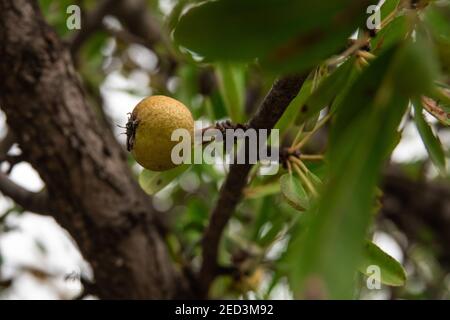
90 189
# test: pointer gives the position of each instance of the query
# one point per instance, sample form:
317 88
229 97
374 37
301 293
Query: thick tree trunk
91 190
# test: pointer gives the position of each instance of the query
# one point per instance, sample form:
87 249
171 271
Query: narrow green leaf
152 181
429 139
326 92
417 70
362 134
232 86
294 107
314 179
264 213
388 7
293 192
437 19
390 34
262 191
392 272
311 47
233 29
286 35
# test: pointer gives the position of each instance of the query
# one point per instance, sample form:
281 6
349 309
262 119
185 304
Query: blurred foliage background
371 121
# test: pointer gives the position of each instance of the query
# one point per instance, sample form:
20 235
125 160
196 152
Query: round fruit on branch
149 130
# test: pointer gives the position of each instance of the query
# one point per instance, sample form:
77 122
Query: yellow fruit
253 281
150 127
250 282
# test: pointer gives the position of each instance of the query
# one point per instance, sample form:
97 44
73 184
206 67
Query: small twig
36 202
308 157
310 133
303 177
298 135
357 44
32 201
302 165
289 167
363 61
366 55
389 18
285 153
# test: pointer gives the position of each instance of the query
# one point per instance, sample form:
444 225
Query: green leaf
417 70
388 7
152 181
392 272
361 137
308 103
265 212
56 15
437 19
390 34
285 35
188 75
289 116
232 86
429 139
314 179
328 89
294 193
262 191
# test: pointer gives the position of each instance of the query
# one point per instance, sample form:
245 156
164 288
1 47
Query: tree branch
36 202
6 143
272 108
